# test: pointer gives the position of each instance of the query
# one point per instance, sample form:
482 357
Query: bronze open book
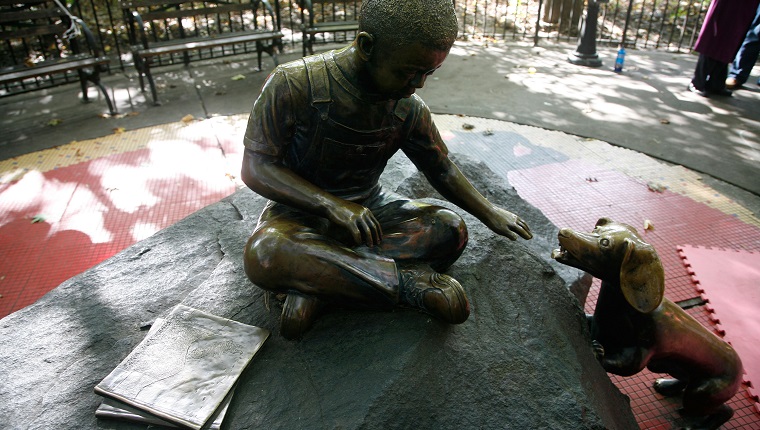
184 369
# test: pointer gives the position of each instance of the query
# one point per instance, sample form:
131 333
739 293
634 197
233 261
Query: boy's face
398 73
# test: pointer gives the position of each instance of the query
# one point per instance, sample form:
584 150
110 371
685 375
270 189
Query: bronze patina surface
634 326
319 137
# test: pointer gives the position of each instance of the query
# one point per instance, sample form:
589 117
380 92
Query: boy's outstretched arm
270 179
448 180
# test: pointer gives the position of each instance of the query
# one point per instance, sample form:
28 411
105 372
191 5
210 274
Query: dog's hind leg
712 421
707 398
669 387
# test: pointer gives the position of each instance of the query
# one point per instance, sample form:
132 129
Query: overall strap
319 82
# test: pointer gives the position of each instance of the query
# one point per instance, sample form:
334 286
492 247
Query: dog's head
615 252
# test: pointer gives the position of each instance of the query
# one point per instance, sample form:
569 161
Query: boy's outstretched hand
507 224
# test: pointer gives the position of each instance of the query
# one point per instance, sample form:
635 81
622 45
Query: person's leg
747 55
709 77
698 82
291 251
291 254
424 240
301 255
716 80
417 232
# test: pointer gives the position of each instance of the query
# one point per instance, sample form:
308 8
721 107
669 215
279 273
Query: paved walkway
646 108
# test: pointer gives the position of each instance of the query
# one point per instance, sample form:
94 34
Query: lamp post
585 54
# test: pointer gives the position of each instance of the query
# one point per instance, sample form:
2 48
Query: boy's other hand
359 221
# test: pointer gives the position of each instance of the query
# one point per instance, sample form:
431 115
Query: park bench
44 45
327 16
161 30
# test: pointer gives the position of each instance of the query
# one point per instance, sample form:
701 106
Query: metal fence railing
647 24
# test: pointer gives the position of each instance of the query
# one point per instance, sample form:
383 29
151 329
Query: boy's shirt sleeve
268 131
424 146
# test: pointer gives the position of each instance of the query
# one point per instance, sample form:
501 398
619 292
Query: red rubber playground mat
66 209
729 281
675 219
575 181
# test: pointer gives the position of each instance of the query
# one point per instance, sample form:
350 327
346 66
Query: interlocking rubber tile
574 181
729 280
65 209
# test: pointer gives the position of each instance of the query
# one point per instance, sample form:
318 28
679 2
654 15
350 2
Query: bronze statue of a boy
318 138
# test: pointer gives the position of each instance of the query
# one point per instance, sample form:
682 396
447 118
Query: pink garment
723 30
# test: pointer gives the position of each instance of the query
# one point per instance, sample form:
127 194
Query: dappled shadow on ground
65 216
646 108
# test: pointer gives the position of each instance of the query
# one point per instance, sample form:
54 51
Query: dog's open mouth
559 254
563 256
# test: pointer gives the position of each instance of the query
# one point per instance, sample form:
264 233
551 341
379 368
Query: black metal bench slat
42 30
206 11
25 3
181 45
24 15
146 16
27 30
332 26
134 4
310 26
19 73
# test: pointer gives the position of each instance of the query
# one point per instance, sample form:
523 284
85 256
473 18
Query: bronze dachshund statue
634 326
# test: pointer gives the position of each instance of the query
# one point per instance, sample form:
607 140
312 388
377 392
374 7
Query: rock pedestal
522 360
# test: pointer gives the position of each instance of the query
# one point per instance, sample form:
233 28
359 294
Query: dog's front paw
598 350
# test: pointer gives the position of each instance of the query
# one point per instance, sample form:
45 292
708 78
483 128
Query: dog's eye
604 242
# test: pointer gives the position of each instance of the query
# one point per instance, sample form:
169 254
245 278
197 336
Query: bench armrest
92 46
273 16
135 27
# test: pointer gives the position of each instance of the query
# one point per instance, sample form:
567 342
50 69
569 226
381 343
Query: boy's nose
419 80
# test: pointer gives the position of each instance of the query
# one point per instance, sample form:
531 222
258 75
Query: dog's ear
603 221
642 278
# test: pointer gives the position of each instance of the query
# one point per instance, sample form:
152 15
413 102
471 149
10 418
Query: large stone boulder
522 360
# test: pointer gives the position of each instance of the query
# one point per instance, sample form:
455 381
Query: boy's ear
366 44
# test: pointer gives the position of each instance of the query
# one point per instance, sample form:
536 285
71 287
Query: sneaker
298 314
437 294
697 91
722 92
732 84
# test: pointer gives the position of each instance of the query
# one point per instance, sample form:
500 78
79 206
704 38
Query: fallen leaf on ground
119 130
657 188
53 122
238 77
187 118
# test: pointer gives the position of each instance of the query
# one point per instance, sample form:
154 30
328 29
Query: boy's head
403 42
398 23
